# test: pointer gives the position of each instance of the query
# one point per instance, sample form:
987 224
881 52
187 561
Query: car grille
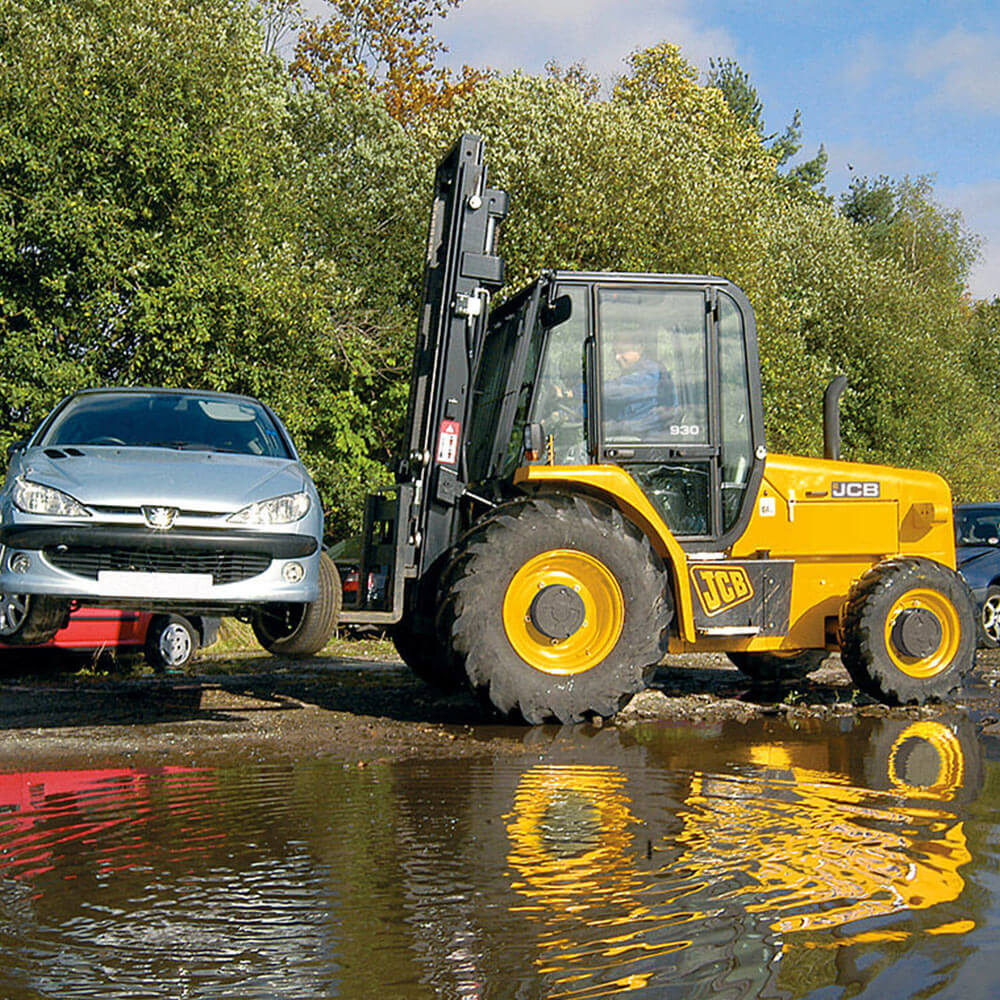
225 567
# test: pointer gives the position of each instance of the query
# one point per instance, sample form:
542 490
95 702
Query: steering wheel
106 439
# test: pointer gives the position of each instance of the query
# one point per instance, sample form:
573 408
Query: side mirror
534 442
15 446
557 312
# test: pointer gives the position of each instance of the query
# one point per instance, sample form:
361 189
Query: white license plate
178 585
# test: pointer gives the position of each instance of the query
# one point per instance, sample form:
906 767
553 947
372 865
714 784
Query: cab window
737 440
560 397
653 361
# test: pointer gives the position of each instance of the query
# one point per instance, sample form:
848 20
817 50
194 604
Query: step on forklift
586 487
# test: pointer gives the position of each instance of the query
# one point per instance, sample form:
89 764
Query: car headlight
33 498
280 510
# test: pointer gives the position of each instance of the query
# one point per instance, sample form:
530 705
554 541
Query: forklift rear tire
778 667
301 630
30 619
556 606
908 631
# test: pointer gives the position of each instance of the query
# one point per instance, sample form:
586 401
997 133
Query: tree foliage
176 210
383 46
665 177
733 82
172 213
901 222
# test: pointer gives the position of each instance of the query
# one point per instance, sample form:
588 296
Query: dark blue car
977 537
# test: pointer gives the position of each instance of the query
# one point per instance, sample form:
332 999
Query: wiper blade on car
177 445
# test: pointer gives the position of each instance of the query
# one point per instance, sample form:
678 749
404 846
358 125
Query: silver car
164 499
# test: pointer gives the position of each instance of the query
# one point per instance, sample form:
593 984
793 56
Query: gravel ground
363 710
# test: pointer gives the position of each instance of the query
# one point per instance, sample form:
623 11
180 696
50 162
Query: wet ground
333 829
364 709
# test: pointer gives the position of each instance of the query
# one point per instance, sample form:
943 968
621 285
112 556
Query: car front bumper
132 566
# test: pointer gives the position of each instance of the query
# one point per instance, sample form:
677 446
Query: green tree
901 221
172 213
664 177
733 82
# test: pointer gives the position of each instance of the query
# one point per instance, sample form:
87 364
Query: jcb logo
855 491
721 588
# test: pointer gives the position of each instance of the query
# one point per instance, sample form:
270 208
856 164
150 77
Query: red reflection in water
105 812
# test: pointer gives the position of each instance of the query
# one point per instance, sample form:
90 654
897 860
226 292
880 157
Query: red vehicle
168 641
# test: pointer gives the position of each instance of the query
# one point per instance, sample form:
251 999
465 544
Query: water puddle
846 858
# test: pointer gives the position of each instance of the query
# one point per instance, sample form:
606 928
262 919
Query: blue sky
888 87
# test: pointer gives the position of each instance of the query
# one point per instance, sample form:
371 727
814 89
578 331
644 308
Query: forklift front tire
556 607
301 630
424 654
908 631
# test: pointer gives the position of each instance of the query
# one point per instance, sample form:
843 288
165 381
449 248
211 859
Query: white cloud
963 67
524 34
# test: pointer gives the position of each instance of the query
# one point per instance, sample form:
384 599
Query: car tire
171 643
926 663
778 667
301 630
989 619
609 591
30 619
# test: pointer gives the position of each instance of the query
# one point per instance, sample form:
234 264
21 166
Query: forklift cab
654 373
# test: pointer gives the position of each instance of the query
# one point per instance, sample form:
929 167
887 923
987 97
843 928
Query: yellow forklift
586 487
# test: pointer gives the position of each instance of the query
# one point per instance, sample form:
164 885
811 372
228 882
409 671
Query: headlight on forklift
280 510
34 498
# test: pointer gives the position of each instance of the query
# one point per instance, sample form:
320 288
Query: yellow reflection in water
822 852
572 848
779 849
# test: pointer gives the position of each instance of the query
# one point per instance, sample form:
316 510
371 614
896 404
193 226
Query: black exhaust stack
831 417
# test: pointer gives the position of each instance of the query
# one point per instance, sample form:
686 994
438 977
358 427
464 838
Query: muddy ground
362 711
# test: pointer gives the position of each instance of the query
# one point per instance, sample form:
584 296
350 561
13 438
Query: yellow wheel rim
951 759
603 612
942 656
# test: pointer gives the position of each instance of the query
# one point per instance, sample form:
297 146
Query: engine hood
215 482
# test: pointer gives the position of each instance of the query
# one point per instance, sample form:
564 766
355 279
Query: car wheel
28 619
300 630
989 619
171 643
908 631
556 607
778 667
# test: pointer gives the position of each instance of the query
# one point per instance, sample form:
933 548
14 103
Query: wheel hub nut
557 611
916 632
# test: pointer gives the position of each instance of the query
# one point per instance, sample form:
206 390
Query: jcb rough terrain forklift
586 487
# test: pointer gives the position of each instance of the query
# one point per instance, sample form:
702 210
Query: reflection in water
668 862
44 815
776 848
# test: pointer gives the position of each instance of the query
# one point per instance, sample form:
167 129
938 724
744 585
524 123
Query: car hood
216 482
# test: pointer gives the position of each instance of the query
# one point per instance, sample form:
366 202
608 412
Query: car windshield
977 525
182 421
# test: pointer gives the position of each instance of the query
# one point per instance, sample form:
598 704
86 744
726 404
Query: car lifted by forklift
586 487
